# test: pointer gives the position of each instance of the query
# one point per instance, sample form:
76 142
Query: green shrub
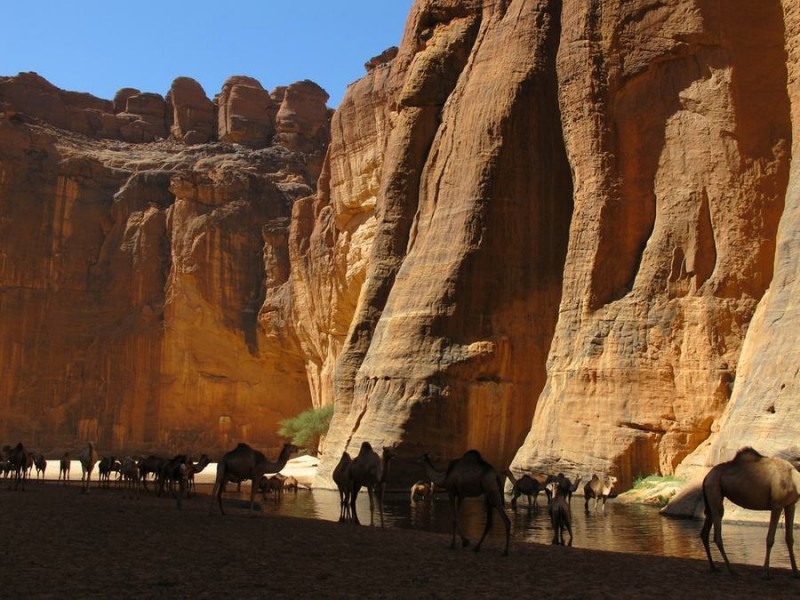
308 427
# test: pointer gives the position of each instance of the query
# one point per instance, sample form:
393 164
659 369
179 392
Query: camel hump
748 454
366 448
241 446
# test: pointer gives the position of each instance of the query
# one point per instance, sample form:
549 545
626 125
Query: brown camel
151 465
560 512
40 462
341 477
131 477
369 470
272 486
422 490
88 458
245 463
754 482
19 464
193 469
63 468
599 489
466 477
526 486
290 484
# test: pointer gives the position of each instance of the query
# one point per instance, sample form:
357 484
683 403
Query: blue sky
100 47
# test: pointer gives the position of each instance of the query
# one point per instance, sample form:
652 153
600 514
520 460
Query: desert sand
60 543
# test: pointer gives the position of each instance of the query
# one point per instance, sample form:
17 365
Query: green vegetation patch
306 428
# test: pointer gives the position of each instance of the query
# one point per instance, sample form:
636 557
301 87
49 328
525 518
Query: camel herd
749 480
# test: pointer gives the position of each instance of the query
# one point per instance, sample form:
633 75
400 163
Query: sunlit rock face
143 287
465 221
678 129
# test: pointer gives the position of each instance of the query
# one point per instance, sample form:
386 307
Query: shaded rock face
143 286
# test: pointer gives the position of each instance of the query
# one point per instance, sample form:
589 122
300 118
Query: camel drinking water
599 489
526 486
471 476
243 462
754 482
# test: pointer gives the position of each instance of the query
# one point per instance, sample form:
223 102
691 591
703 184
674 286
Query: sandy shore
60 543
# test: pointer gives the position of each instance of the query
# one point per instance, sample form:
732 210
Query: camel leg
371 493
353 498
718 539
788 522
381 492
774 517
456 502
704 536
488 526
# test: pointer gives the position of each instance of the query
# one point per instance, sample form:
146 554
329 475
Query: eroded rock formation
560 232
143 285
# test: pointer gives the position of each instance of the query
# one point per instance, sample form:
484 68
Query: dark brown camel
194 468
131 476
341 477
569 487
560 512
243 462
599 489
754 482
40 462
19 464
151 465
526 486
63 468
471 476
369 470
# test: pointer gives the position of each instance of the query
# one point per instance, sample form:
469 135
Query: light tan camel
243 462
63 468
341 477
466 477
422 490
369 470
754 482
88 458
290 484
599 489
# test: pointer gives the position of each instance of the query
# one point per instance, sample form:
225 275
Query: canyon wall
559 231
144 275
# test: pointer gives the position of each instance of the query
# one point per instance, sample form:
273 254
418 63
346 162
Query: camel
272 486
63 468
560 512
471 476
599 489
19 461
341 477
290 484
570 487
195 468
152 464
40 462
245 463
526 486
106 466
369 470
422 490
88 459
754 482
131 477
171 471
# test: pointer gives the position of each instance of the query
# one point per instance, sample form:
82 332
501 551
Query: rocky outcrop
143 286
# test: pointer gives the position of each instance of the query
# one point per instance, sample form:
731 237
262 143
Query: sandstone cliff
143 279
558 231
575 220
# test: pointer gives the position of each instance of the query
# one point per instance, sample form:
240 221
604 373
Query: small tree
307 428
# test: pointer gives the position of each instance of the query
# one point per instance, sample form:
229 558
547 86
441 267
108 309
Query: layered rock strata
144 286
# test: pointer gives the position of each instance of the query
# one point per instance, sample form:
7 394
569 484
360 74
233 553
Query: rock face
142 286
575 219
559 231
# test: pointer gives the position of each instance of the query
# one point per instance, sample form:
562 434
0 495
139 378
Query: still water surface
622 528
